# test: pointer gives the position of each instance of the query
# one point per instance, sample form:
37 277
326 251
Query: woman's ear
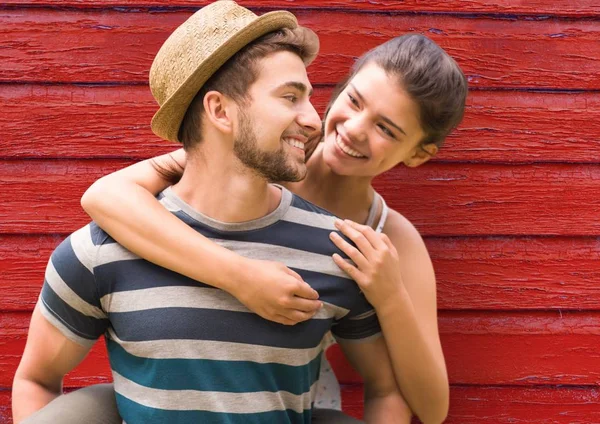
219 111
421 154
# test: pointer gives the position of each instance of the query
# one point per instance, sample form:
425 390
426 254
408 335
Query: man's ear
421 154
219 110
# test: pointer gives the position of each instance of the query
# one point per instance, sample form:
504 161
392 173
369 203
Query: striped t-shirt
185 352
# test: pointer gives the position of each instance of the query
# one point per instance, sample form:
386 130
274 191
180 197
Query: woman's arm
125 206
401 288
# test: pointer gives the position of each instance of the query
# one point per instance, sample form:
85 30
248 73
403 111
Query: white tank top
377 199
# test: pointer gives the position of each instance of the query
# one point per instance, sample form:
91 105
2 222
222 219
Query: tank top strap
373 210
384 214
377 199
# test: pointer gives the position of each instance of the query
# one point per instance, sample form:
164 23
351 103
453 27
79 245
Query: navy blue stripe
74 274
300 203
282 233
99 236
138 274
80 324
213 375
217 325
354 329
134 413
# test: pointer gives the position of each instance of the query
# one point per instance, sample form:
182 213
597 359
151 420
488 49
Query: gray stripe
262 222
221 402
292 258
169 204
114 252
364 315
190 297
304 217
71 298
61 326
83 247
217 351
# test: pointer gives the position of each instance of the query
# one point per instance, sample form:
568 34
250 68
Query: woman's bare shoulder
400 230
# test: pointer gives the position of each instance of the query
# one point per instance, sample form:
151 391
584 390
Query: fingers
375 239
292 317
359 239
283 320
352 271
304 290
353 253
305 305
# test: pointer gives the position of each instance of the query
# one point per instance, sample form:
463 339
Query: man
232 87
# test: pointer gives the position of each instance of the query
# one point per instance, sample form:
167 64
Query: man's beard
273 166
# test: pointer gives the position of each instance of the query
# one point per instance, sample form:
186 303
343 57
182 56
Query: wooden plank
522 349
472 273
75 46
453 199
509 273
93 122
441 199
579 8
507 405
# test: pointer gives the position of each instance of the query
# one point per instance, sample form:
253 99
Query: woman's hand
276 293
376 267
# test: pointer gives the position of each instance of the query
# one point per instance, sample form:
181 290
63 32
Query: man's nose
309 119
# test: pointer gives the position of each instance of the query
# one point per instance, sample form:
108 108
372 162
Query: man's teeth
294 143
346 149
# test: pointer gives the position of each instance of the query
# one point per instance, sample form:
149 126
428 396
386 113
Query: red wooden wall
509 210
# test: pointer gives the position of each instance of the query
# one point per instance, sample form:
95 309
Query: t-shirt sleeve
69 298
360 324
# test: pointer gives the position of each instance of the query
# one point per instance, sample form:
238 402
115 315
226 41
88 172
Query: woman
398 104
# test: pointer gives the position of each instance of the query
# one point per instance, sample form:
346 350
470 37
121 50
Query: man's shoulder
84 245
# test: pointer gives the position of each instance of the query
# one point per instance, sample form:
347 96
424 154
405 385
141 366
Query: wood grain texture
475 273
579 8
441 199
507 405
111 122
522 349
481 348
465 199
111 46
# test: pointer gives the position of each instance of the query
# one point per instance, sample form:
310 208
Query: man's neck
223 189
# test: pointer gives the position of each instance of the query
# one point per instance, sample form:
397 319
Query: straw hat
196 50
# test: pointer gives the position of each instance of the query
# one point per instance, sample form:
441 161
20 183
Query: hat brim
168 118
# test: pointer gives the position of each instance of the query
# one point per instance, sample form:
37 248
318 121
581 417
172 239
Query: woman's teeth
294 143
347 149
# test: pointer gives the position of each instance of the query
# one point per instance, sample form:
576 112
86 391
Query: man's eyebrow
298 86
384 118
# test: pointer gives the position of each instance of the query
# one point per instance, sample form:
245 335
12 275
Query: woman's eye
386 131
353 100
